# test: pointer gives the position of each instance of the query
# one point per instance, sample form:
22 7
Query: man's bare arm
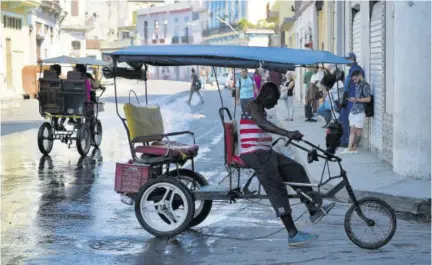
263 123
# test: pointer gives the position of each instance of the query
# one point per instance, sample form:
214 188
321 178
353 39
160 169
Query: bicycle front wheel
371 224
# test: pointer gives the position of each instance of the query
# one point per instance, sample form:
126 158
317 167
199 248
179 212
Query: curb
401 204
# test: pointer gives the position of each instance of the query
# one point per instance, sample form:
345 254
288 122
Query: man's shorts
357 120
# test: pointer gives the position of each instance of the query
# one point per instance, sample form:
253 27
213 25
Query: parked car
221 78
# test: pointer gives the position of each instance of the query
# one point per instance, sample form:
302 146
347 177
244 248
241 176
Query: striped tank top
252 137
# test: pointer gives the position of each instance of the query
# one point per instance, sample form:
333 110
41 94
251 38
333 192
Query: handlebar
326 155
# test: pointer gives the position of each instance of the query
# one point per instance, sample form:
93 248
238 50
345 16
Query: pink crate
129 178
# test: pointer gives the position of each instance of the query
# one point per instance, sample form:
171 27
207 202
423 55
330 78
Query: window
165 30
186 19
145 32
76 45
12 22
74 8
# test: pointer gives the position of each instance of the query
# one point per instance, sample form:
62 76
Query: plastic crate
130 177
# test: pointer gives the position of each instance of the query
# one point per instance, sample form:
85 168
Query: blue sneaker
320 214
301 238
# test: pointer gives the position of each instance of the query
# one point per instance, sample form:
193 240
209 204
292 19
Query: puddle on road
113 247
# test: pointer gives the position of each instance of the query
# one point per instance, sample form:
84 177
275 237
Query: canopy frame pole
217 83
145 82
235 93
118 113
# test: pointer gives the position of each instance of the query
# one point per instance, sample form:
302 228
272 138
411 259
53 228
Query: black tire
83 140
45 138
385 208
188 200
201 181
96 132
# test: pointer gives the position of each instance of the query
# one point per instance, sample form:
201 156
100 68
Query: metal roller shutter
357 36
377 74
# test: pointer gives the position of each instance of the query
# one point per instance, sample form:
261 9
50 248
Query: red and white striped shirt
252 137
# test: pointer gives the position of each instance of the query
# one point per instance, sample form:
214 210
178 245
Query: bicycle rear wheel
372 217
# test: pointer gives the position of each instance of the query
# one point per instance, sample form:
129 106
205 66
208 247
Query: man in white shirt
315 84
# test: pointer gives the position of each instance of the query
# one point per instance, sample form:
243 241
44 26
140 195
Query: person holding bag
195 87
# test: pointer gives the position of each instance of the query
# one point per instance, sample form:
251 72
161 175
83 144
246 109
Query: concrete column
412 89
365 37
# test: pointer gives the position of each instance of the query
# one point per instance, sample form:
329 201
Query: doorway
9 79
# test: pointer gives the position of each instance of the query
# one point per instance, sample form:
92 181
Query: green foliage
261 24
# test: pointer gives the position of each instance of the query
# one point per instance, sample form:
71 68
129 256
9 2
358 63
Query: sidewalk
368 175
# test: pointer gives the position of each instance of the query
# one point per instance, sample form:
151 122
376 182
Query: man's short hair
193 70
356 73
57 68
269 88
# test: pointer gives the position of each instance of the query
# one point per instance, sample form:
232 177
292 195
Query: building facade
380 33
237 23
176 23
30 33
73 29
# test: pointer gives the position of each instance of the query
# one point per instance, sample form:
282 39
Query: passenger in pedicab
58 126
271 167
91 84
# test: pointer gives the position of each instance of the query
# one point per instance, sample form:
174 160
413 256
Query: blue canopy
73 60
271 58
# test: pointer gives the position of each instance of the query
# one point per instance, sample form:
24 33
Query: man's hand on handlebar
295 135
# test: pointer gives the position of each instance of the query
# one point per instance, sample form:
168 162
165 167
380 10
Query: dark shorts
272 170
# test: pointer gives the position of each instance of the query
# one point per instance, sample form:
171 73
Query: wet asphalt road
62 209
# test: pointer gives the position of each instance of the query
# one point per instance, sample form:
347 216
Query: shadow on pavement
14 127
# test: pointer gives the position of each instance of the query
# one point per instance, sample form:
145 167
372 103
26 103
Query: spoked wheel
372 224
96 132
45 138
202 208
164 207
83 140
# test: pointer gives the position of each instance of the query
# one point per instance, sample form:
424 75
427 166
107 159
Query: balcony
175 40
51 6
221 30
181 40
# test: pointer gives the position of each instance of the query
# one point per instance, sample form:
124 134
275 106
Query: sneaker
301 238
348 152
325 209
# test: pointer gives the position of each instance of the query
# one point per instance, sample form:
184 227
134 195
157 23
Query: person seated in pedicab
57 125
271 167
91 84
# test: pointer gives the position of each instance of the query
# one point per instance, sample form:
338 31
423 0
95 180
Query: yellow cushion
144 120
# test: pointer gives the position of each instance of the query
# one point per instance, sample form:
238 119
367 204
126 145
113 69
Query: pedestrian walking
288 94
349 91
195 87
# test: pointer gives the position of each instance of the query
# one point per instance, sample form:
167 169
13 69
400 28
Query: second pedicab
70 100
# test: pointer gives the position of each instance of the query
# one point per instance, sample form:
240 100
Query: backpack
197 84
233 92
369 107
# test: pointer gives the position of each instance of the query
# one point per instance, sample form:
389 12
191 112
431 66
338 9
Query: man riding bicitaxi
271 167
